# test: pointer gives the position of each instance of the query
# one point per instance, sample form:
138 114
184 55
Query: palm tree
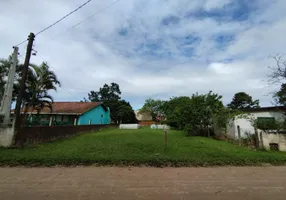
40 80
3 73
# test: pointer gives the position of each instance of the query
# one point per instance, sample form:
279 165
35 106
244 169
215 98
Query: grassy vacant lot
138 147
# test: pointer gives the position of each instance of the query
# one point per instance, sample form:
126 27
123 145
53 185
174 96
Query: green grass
138 147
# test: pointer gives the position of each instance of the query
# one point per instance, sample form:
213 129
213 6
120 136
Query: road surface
229 183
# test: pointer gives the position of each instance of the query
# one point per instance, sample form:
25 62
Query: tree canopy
154 107
280 96
40 80
242 100
196 114
106 93
120 110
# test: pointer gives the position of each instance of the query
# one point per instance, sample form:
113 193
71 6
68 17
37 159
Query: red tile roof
76 108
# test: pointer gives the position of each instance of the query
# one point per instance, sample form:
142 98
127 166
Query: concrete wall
268 138
96 115
6 136
231 129
246 126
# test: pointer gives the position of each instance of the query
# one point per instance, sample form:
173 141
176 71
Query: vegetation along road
138 147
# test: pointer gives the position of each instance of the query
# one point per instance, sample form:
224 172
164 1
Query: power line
89 17
63 17
58 21
96 13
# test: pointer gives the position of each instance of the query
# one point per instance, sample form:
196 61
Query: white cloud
94 53
215 4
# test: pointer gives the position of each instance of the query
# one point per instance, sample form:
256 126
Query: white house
240 127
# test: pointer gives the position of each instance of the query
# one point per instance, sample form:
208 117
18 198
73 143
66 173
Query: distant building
241 127
144 119
71 113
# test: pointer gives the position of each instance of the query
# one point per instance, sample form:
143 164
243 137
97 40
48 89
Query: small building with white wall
144 119
241 127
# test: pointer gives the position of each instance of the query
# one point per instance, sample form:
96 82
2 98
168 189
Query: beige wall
280 139
6 136
142 117
246 126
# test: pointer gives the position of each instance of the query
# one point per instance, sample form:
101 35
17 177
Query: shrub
199 115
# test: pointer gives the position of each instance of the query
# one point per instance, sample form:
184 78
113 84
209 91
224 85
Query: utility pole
17 113
7 97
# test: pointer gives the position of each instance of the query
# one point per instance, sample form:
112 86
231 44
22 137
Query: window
71 118
266 123
62 119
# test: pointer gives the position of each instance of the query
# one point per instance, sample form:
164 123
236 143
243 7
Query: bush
267 124
198 115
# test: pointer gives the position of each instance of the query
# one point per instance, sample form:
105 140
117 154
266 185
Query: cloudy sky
152 48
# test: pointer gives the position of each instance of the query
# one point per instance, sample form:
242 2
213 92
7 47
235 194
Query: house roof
264 109
71 108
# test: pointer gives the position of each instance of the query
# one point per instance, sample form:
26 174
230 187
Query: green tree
40 80
197 114
173 110
106 93
4 70
120 110
154 107
280 96
124 112
242 100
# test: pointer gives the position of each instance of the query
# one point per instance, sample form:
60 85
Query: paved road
143 183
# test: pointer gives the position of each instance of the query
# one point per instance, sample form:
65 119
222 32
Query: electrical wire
96 13
89 17
58 21
63 17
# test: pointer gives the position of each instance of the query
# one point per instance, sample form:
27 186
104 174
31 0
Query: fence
147 123
33 135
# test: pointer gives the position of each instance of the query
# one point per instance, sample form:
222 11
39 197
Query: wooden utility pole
17 113
166 138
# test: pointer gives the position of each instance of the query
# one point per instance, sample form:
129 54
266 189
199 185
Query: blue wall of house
97 115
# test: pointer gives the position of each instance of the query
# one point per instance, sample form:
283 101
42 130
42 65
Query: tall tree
106 93
173 111
120 110
154 107
4 70
278 73
242 100
196 114
40 80
280 96
124 112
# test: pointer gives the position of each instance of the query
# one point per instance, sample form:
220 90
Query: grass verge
138 147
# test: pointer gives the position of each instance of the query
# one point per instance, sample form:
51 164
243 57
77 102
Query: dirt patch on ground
143 183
